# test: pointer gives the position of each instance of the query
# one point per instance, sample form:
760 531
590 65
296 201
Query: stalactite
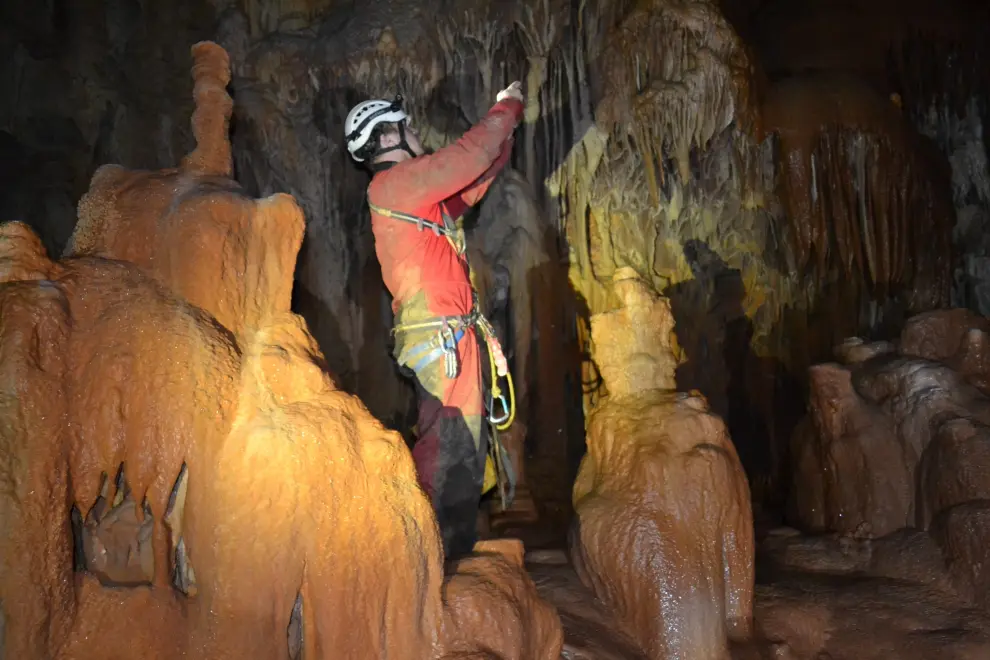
860 187
670 76
941 81
540 24
478 31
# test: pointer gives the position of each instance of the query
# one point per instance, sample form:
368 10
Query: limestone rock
901 439
955 468
854 350
166 343
493 610
938 335
36 600
632 345
963 532
117 545
664 530
591 630
664 526
865 471
957 337
22 255
806 506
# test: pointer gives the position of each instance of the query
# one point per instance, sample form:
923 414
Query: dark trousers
452 444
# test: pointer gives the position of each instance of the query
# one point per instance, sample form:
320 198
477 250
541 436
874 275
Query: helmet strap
403 145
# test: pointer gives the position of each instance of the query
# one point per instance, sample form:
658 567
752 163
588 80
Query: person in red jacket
415 199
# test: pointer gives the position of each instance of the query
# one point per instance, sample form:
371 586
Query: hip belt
449 330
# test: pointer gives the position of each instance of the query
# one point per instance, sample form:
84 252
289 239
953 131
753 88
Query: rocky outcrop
899 436
664 529
861 439
36 603
493 610
963 532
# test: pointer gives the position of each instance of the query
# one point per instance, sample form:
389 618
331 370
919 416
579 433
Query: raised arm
448 171
473 193
459 204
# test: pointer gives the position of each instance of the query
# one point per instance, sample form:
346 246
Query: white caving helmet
363 118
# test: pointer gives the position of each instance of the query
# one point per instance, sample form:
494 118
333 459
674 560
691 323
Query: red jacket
455 177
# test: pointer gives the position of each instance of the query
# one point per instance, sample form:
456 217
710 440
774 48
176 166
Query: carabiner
491 410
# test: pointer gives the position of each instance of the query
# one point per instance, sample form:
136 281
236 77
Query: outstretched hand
512 91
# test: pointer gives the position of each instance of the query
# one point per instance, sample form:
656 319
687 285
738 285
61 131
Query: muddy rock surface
664 530
492 609
844 598
893 466
896 436
163 342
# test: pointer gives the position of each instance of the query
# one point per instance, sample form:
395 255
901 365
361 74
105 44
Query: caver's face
392 139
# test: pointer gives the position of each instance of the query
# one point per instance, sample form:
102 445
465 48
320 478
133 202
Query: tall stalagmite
664 528
164 341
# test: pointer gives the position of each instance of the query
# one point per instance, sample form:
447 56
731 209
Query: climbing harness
449 332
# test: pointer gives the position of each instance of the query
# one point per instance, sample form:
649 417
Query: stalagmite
664 527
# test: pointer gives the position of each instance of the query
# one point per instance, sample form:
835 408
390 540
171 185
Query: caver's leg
452 445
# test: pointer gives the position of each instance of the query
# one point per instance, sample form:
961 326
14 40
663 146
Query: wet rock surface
493 609
845 598
893 465
893 439
664 530
591 631
165 343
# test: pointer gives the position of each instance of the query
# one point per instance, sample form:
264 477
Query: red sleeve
430 179
481 186
459 204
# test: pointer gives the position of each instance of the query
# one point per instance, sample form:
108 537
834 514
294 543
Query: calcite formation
157 372
860 438
864 193
493 610
664 529
899 436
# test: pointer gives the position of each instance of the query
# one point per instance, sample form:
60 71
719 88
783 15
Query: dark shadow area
758 398
452 457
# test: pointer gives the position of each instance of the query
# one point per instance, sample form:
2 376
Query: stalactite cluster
472 39
671 82
941 84
863 193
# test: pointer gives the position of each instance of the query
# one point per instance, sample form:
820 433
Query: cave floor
817 598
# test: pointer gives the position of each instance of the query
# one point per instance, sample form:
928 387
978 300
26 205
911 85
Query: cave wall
656 156
931 57
86 83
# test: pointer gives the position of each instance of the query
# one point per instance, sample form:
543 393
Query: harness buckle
448 344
